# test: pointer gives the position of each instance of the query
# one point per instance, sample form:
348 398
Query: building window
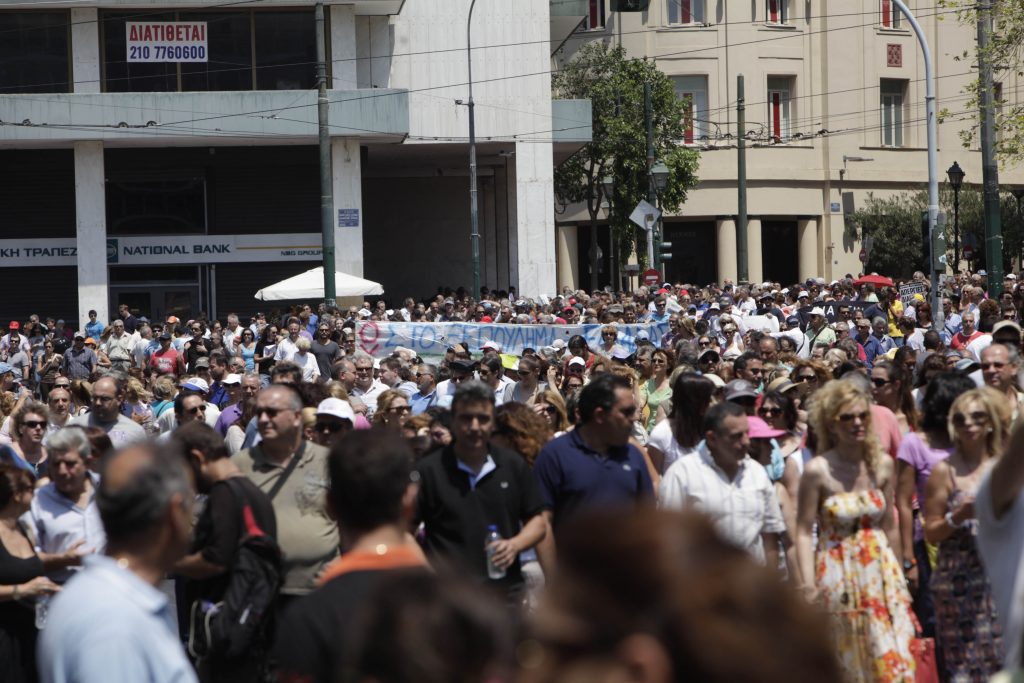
777 11
595 15
34 56
893 97
693 90
891 15
170 204
686 11
248 50
780 95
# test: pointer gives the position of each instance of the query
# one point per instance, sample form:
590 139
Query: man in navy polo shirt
595 464
470 485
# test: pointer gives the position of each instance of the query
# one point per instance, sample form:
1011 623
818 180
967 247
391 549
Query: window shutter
687 11
773 11
776 115
688 117
887 13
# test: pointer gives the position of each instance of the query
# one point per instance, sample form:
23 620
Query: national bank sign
167 250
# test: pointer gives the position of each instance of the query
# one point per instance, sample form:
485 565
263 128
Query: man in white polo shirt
726 484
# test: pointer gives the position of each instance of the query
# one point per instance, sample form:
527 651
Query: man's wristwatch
909 564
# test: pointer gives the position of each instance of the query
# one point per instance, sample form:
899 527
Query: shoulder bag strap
287 472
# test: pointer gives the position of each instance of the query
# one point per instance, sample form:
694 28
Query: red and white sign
651 277
166 41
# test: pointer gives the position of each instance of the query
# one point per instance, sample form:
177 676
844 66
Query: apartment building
163 153
835 105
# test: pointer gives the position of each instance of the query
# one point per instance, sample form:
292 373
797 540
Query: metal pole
474 216
989 164
938 320
956 230
741 182
652 193
326 180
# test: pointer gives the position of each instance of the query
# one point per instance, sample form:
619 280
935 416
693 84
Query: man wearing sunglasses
334 419
293 473
999 366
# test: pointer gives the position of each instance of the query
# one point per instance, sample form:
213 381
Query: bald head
138 488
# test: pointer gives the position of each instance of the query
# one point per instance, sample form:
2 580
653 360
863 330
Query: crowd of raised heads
759 482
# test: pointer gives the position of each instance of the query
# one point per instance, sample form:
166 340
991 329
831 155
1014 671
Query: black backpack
240 623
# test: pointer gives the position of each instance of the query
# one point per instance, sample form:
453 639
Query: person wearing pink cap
727 485
765 448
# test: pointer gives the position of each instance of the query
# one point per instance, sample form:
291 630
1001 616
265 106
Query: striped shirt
741 509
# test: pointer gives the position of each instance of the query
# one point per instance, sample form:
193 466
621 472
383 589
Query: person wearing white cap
491 348
818 332
334 419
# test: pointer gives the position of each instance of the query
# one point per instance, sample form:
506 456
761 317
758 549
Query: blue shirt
110 626
59 523
872 348
573 476
419 401
94 330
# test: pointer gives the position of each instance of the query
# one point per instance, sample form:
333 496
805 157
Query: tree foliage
894 225
615 87
1006 54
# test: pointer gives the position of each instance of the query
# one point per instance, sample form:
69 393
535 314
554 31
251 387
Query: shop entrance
156 292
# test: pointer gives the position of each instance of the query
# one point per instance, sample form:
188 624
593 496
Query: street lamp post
659 177
474 217
956 181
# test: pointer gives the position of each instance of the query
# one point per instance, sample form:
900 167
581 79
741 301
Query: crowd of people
764 483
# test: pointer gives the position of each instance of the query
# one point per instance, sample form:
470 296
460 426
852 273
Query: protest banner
381 339
909 289
831 310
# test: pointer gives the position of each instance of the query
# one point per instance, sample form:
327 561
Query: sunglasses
960 419
399 410
769 412
807 378
998 365
879 382
330 427
271 412
34 424
850 417
61 386
551 410
197 409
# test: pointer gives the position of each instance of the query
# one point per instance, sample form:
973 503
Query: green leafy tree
894 225
1006 54
615 87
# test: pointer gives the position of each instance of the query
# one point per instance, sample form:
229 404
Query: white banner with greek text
381 339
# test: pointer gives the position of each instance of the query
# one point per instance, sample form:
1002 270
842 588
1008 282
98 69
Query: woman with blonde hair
550 405
392 410
978 426
136 404
854 574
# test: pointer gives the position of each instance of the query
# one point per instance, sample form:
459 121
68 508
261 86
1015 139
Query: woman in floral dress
966 629
854 573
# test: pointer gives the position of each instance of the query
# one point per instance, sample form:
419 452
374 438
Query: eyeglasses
330 427
704 343
271 412
399 410
34 424
609 334
662 361
551 410
879 382
195 410
850 417
959 419
807 378
103 399
769 412
998 365
61 386
525 373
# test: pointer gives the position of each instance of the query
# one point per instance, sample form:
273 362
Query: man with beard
218 531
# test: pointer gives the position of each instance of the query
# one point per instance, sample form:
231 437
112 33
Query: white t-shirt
979 344
1001 544
662 439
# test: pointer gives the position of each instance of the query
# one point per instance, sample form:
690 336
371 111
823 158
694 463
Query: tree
1007 58
894 225
618 148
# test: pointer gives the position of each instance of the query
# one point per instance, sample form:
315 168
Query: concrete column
343 47
807 231
755 260
568 256
348 194
535 222
727 267
91 231
85 52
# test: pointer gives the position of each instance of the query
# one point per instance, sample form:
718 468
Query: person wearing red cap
13 339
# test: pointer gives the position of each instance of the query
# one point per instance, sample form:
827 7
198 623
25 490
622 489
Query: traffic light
663 252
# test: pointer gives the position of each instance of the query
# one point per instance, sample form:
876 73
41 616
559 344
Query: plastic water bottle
493 571
42 611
